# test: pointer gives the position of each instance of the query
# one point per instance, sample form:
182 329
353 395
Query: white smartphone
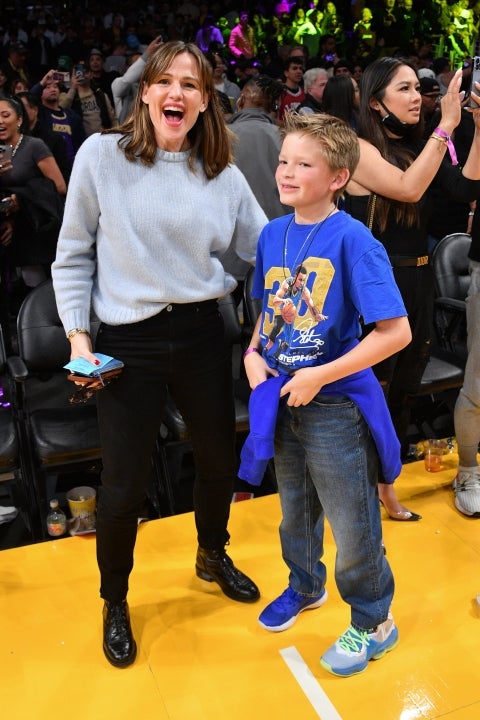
475 78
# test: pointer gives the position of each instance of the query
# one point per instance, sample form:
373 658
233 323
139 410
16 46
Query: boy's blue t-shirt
316 284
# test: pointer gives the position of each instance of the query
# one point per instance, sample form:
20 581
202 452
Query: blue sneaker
282 612
352 651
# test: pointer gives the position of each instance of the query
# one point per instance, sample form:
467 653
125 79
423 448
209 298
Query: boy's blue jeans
326 465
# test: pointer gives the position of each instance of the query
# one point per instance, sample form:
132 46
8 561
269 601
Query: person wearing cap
15 66
430 93
342 67
100 79
64 121
133 43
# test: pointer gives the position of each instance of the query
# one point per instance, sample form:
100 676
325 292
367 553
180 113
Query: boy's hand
302 387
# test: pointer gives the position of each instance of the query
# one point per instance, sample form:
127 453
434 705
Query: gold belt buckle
423 260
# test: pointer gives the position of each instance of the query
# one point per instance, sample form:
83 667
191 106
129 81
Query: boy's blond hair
336 139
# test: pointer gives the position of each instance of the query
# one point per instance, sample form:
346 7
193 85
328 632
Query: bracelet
249 350
448 139
77 331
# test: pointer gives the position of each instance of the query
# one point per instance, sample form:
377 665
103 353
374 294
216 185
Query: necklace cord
312 234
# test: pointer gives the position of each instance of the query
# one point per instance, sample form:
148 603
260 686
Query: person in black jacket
37 127
314 82
64 121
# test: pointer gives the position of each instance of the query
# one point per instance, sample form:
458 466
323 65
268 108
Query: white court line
310 686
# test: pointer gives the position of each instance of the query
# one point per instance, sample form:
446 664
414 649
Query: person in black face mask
390 192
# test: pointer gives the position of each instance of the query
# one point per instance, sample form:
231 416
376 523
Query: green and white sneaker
352 651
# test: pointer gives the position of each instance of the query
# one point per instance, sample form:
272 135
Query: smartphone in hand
475 78
5 153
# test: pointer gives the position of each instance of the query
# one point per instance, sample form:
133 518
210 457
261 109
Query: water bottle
56 520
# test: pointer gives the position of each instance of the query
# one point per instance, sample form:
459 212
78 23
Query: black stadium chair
443 376
13 473
450 265
59 438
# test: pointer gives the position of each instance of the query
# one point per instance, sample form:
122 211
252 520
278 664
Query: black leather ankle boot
118 644
216 566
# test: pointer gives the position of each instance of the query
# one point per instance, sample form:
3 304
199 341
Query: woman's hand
81 346
5 166
6 232
10 205
451 104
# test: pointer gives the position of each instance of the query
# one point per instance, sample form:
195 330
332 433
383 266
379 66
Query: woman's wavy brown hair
210 139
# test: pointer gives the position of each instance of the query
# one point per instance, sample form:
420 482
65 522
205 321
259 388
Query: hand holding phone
61 77
79 73
5 157
475 79
6 204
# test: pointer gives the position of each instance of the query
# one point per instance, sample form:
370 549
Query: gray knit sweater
136 238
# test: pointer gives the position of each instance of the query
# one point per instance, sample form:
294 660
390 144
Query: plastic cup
433 451
82 504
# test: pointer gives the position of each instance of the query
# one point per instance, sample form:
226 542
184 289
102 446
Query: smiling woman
175 101
177 81
152 208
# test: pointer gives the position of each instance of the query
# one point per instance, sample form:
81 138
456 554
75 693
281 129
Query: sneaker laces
468 481
353 640
288 598
118 618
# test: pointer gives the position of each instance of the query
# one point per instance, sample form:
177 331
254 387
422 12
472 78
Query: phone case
91 379
5 153
475 78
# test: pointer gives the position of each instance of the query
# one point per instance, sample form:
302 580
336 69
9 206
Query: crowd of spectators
37 38
75 66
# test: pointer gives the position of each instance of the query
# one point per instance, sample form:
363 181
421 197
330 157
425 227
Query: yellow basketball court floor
204 657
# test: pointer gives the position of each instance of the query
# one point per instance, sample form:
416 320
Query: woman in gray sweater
152 207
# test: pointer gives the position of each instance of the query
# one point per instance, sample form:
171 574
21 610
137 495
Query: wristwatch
77 331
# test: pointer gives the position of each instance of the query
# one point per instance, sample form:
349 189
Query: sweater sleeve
74 266
121 86
250 219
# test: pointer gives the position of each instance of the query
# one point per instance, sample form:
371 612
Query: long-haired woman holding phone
390 192
152 207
